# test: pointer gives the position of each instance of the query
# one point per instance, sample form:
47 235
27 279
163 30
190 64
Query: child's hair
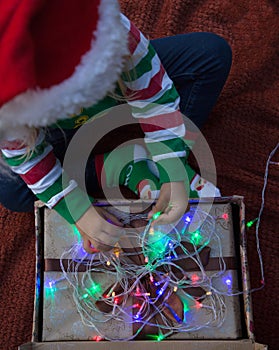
28 143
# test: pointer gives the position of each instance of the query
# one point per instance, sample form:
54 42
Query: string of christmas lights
149 293
258 219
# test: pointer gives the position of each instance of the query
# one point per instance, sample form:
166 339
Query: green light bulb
160 337
157 245
251 223
76 233
92 292
94 289
50 291
156 215
196 237
186 307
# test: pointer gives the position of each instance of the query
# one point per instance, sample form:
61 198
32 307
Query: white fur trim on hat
93 78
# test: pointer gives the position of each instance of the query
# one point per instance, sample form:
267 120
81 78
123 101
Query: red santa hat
57 56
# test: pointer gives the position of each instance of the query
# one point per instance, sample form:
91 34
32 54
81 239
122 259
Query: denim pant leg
14 193
199 64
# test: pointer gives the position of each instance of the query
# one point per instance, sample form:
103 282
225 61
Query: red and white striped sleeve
155 103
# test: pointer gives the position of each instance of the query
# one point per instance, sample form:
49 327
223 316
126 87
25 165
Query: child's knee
219 48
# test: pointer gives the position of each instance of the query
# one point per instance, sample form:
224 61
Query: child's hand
99 229
172 203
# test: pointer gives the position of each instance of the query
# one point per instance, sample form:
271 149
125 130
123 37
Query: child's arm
43 174
155 102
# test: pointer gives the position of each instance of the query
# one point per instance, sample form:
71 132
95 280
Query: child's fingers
161 205
171 205
171 215
88 247
92 246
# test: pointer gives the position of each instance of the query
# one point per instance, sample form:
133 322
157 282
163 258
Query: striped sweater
154 102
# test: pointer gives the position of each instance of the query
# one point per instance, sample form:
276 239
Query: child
60 58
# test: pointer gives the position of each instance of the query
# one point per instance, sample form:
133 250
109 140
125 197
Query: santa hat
56 57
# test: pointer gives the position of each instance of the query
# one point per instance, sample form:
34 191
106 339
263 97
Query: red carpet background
242 131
